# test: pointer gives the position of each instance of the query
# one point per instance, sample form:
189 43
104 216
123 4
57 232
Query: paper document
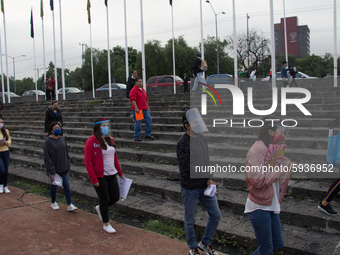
210 191
124 187
139 115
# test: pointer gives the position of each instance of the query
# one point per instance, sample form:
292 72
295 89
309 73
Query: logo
204 98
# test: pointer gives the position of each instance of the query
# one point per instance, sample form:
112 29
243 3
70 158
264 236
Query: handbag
333 149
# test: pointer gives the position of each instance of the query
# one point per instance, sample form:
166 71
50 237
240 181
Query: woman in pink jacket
266 190
102 166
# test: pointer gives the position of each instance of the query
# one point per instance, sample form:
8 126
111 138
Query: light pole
15 88
38 69
218 60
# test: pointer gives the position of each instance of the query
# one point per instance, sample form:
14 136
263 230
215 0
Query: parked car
11 94
70 90
299 76
33 92
114 86
164 80
220 79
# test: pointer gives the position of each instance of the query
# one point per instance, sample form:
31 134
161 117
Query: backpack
204 65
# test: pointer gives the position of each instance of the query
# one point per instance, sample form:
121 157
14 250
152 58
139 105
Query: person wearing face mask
266 189
53 114
192 150
5 142
102 166
57 161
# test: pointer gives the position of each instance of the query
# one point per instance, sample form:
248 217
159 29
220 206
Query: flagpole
43 37
8 88
335 58
202 43
126 45
108 49
35 65
2 74
92 63
143 52
62 53
285 31
235 46
55 54
173 48
272 38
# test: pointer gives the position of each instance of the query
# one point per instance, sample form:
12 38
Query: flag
88 11
170 1
2 6
51 5
41 9
32 28
106 3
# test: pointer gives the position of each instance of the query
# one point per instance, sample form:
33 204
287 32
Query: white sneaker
6 190
98 212
109 229
1 188
55 206
71 208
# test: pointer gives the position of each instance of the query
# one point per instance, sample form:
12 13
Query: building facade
298 38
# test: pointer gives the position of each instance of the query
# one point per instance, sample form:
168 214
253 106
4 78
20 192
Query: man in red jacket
139 101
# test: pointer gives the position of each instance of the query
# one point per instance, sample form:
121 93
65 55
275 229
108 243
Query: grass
165 228
37 189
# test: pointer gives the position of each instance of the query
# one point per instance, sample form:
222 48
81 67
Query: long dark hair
98 134
263 134
3 130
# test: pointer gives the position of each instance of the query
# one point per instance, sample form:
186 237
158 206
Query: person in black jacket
57 161
185 83
53 114
131 82
193 144
198 73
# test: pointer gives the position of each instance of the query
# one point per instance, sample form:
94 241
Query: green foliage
165 228
315 65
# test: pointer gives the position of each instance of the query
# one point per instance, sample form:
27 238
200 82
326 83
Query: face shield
195 121
280 135
105 127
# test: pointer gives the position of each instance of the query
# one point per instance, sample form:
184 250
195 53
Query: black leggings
333 190
108 187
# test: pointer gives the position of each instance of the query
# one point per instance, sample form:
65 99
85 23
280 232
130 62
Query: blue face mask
105 130
57 132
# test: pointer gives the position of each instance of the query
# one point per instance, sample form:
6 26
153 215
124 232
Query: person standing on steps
139 101
324 205
192 150
57 161
102 166
185 83
48 90
131 82
53 114
5 142
198 73
266 189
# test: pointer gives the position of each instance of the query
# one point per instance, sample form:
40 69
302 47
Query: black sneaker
138 139
194 251
327 209
149 137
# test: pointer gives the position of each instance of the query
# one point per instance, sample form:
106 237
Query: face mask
105 130
57 132
55 108
277 139
1 125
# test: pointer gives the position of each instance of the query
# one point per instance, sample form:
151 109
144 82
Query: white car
299 76
70 90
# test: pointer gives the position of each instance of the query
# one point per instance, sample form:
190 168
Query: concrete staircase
152 165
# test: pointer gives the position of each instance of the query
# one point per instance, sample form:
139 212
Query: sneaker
6 190
71 208
207 249
109 229
150 137
327 209
194 251
1 188
98 212
138 139
55 206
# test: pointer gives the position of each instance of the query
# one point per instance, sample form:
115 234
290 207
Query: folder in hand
139 115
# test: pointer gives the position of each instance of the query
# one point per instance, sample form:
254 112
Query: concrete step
298 240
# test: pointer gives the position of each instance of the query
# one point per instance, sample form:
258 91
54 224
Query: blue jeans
199 79
190 202
267 228
148 123
4 162
67 191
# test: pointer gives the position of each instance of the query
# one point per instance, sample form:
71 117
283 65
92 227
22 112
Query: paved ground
30 226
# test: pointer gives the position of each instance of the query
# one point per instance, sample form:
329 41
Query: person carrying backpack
198 71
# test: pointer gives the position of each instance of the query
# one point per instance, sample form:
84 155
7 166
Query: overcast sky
318 15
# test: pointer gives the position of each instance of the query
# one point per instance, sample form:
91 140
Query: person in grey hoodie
57 161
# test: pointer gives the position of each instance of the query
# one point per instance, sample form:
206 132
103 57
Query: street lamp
15 88
218 60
